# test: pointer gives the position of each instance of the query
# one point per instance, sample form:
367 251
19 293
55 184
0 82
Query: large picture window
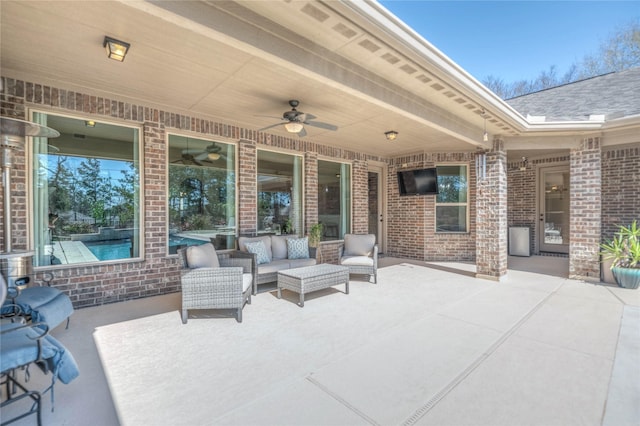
279 193
334 199
451 201
86 192
202 193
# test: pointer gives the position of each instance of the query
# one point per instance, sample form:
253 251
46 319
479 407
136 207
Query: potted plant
624 251
315 234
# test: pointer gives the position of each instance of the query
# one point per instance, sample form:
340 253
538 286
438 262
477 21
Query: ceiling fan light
213 156
293 127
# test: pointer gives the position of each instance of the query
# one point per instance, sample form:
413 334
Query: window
86 192
202 193
334 199
451 201
279 193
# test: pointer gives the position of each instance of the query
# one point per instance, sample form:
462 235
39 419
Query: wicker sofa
278 252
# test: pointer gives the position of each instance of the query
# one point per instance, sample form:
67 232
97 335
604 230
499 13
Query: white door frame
381 170
540 213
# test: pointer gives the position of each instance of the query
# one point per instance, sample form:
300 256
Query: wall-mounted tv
418 182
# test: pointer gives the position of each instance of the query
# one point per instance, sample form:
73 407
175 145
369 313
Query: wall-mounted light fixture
481 165
391 135
523 164
90 123
116 49
293 127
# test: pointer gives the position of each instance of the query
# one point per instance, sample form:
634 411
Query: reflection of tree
452 188
96 189
198 196
86 191
128 190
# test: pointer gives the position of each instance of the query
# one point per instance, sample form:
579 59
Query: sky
515 40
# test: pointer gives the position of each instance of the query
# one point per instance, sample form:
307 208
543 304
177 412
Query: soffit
179 64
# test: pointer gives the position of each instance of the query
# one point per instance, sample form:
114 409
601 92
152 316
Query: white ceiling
234 64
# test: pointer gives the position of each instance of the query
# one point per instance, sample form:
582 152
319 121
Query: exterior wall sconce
116 49
293 127
523 164
90 123
391 135
481 166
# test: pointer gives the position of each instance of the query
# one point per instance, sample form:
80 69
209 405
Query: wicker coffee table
312 278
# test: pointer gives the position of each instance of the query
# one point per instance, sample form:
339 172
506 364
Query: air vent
315 13
79 136
344 30
390 58
369 45
408 69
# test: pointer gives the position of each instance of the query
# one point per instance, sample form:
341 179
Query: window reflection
86 192
279 193
334 199
201 193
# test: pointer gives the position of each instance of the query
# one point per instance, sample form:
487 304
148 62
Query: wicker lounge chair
213 280
359 253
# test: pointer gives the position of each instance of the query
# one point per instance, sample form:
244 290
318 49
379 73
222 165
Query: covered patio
429 344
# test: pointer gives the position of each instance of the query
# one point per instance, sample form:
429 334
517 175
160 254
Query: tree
619 52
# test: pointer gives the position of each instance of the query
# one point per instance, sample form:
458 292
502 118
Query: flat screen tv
418 182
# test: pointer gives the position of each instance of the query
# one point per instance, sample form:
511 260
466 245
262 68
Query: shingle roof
613 95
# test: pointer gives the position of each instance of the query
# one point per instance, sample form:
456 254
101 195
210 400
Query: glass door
553 235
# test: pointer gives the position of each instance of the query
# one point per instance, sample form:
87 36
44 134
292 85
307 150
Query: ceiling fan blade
270 127
302 133
322 125
201 156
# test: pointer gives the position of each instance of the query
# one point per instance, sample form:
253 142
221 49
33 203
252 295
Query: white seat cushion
247 280
279 247
359 244
356 261
202 256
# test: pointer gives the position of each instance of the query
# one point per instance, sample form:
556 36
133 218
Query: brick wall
585 210
158 272
360 197
491 227
523 193
620 188
411 219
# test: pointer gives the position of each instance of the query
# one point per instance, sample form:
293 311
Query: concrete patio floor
535 349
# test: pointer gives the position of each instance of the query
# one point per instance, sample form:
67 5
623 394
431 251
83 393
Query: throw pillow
298 248
202 256
258 248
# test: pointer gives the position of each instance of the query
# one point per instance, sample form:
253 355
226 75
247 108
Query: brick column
247 188
491 216
360 197
310 190
585 210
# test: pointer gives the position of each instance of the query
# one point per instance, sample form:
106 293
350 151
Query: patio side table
311 278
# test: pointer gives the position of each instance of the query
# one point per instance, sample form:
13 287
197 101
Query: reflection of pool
110 250
175 240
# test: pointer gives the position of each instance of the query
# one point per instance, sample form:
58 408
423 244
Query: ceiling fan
295 120
198 156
